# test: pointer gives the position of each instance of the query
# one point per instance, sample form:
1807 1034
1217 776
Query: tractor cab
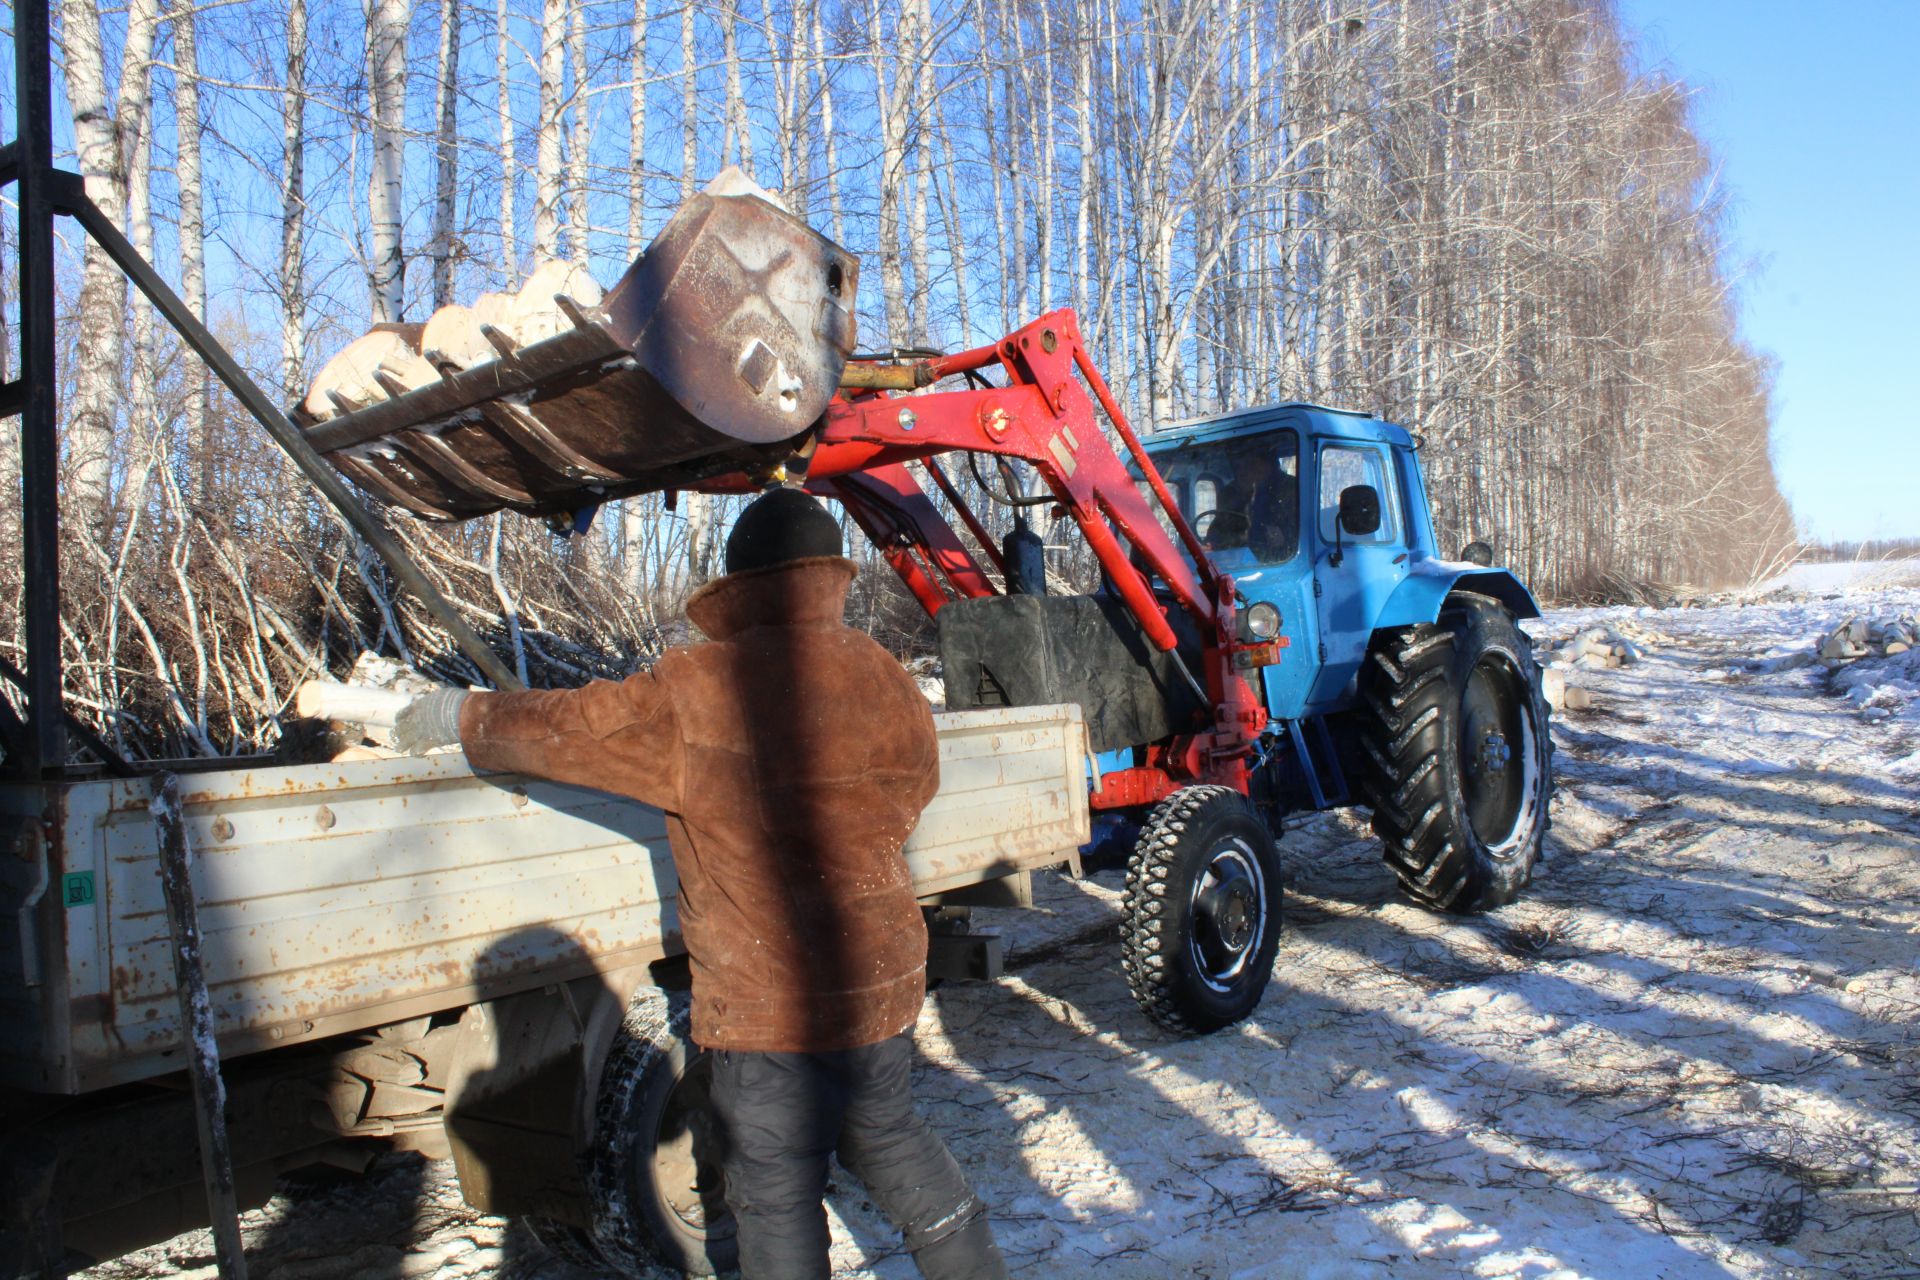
1319 513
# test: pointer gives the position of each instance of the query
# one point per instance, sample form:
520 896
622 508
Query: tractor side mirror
1360 509
1477 552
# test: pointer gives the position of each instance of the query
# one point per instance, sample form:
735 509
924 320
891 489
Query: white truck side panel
341 896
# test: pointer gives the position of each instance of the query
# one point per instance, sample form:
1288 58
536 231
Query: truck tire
1457 760
1202 911
653 1175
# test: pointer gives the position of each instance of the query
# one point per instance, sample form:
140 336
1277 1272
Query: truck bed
342 896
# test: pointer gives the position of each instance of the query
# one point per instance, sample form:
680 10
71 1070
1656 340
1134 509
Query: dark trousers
783 1114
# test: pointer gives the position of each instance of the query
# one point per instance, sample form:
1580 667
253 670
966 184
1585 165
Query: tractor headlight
1261 622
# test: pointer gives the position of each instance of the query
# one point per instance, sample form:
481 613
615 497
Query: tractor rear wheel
1457 761
1202 911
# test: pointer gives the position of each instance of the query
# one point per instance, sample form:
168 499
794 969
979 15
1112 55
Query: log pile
1596 647
1871 637
371 367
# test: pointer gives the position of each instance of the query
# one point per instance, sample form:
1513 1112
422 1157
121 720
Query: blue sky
1814 112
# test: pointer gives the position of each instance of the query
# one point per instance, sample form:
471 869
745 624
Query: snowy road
1690 1051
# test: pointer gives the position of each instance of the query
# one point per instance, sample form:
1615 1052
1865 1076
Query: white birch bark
193 236
103 290
919 112
580 140
950 213
689 105
291 283
387 100
446 152
140 231
1083 194
739 139
792 57
696 505
828 136
637 72
892 89
547 175
509 171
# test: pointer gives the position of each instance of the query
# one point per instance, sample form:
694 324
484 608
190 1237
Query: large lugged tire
1457 757
652 1170
1202 911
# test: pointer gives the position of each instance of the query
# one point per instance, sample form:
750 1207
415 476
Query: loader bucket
722 342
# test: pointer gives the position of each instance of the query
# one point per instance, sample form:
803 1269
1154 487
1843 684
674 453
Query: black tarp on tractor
1026 650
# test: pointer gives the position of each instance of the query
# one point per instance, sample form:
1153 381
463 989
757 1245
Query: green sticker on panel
76 888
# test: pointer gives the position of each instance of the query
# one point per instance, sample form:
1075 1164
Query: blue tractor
1276 629
1405 683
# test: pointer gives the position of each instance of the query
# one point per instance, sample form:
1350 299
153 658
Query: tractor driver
792 756
1260 509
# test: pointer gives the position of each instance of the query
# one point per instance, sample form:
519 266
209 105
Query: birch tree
193 237
503 119
446 175
387 113
291 279
548 178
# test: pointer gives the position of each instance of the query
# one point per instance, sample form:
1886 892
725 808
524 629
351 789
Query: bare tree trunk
739 137
1002 246
447 157
697 505
547 176
1083 196
387 96
637 135
792 70
892 93
638 513
832 156
580 143
193 235
919 113
1016 166
950 213
293 206
689 105
140 398
509 174
103 290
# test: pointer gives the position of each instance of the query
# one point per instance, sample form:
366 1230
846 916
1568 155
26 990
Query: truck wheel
1457 759
1202 911
653 1172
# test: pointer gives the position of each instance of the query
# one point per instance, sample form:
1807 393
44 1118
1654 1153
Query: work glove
430 720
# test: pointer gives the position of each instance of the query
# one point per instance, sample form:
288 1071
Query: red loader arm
1043 415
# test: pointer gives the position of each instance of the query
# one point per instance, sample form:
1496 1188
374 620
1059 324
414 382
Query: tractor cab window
1344 465
1241 493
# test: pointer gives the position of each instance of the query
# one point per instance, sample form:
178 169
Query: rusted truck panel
351 895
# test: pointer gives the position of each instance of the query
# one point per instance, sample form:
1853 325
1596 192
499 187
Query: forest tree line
1484 219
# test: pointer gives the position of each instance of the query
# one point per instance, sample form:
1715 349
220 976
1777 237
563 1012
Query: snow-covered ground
1846 575
1690 1051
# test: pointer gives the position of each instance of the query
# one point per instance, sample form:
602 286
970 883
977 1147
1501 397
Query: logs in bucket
722 343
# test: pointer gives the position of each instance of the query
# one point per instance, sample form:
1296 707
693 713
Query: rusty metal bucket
722 342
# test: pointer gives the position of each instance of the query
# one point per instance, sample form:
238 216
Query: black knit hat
781 525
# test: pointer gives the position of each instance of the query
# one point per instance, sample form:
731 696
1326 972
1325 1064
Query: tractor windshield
1241 493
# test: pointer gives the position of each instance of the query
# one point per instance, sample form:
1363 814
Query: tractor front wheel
1457 760
1202 911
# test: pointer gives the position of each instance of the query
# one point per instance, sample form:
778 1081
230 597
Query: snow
1845 575
1688 1051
